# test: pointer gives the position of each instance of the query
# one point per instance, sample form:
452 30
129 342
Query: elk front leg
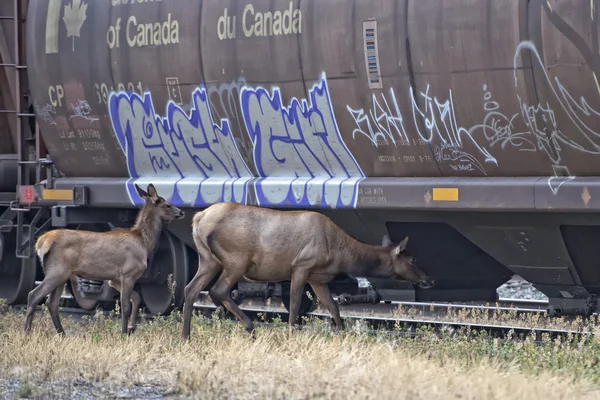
126 289
135 306
297 285
323 293
135 300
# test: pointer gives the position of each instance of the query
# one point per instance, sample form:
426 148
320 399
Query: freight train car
471 126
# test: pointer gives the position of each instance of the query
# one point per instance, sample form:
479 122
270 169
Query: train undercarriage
485 230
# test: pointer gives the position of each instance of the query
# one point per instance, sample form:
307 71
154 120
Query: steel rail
384 315
375 325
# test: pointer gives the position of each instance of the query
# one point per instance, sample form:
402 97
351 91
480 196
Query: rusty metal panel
300 103
69 68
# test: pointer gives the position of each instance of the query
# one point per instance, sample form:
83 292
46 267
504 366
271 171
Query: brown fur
119 256
262 244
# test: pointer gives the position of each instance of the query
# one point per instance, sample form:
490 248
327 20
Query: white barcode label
372 54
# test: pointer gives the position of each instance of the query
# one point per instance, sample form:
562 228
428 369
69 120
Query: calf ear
141 192
152 192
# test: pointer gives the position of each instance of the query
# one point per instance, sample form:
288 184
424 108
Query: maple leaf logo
75 16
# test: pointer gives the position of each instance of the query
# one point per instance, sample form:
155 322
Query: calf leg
53 303
135 300
126 289
323 293
207 270
135 306
48 285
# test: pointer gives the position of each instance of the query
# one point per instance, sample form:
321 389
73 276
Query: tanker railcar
471 126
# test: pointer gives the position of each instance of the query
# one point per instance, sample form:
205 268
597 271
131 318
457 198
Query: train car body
468 125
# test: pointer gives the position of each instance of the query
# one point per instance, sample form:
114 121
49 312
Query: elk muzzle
427 283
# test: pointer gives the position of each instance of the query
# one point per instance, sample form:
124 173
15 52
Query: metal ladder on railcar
28 149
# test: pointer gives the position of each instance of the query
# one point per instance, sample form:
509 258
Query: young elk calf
266 245
119 256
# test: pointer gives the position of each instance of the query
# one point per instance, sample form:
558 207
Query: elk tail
199 240
196 221
43 246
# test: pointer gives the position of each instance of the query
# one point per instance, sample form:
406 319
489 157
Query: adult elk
261 244
119 256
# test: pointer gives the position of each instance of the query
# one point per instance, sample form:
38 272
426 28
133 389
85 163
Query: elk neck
148 225
364 260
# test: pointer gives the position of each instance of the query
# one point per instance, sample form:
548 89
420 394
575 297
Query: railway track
509 316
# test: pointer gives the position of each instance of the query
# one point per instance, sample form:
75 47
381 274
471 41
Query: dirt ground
80 389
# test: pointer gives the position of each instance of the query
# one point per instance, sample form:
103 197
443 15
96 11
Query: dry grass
223 361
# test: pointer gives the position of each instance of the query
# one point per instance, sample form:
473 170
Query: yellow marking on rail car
445 194
57 194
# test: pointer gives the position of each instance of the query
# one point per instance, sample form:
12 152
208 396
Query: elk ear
141 192
152 192
386 241
402 245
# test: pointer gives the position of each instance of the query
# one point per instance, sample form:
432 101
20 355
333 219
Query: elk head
165 210
404 265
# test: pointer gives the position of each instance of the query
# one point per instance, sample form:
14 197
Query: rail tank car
468 125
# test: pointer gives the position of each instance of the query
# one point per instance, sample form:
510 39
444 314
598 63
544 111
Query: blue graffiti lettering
299 153
190 159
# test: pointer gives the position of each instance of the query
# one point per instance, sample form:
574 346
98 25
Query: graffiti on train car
224 99
531 128
440 128
196 159
299 152
541 121
500 129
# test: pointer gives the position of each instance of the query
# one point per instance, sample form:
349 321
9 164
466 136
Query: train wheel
169 258
306 304
17 275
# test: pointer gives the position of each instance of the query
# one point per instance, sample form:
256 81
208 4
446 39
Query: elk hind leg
48 285
53 302
207 270
222 291
323 293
